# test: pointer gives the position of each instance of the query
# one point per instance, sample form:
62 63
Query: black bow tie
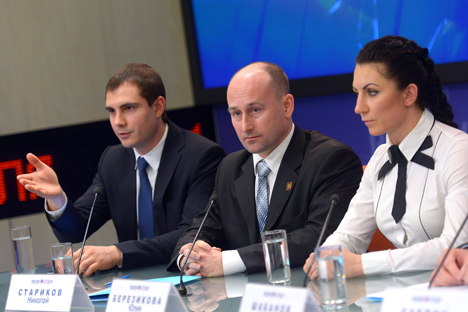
397 157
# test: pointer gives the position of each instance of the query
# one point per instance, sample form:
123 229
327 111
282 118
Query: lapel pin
288 186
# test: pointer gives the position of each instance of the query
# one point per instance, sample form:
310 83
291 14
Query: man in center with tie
282 180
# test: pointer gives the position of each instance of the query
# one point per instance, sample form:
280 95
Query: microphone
211 202
97 191
334 200
446 254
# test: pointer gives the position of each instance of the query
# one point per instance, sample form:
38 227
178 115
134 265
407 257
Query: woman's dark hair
405 62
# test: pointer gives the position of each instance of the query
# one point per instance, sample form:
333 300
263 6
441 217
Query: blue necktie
145 202
263 194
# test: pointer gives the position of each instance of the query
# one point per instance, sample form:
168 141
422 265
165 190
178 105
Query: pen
110 283
375 299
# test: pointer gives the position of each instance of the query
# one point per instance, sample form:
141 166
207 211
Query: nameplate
262 297
47 292
399 300
137 295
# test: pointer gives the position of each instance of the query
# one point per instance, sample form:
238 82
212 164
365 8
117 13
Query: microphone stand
97 190
182 288
334 199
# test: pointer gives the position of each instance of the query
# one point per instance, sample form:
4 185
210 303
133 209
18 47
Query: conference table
225 293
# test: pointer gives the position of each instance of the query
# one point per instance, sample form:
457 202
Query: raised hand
43 182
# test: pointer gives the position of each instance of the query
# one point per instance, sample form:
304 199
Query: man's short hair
144 77
279 80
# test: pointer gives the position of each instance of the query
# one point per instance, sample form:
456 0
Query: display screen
315 38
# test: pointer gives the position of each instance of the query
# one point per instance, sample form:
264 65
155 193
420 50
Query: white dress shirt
436 203
232 262
153 158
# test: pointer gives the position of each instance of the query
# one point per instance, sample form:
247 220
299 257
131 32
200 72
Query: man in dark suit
177 179
304 169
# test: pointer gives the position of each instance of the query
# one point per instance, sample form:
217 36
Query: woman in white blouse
416 192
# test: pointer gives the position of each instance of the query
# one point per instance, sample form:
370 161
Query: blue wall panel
334 116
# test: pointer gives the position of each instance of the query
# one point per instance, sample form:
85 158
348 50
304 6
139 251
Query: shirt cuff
376 262
232 262
120 265
54 215
178 261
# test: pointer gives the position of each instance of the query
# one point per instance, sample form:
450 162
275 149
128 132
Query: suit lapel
169 159
286 178
127 185
245 191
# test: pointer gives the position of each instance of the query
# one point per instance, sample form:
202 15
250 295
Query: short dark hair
144 77
405 62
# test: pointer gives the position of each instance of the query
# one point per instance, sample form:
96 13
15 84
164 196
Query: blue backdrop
334 116
312 38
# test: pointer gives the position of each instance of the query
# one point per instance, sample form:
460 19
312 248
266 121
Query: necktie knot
142 164
262 169
395 155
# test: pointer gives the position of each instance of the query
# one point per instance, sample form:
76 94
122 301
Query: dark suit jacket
313 168
183 187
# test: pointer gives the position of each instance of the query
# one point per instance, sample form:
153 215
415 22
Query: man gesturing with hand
152 184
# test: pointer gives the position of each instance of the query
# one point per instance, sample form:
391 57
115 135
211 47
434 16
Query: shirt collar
274 159
153 157
411 143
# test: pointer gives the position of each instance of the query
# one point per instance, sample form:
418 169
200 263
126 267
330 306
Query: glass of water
332 278
22 247
275 251
62 258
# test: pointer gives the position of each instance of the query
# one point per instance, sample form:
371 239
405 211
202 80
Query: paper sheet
104 294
